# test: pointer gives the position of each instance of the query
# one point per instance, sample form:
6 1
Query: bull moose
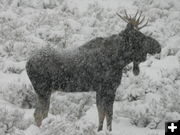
95 66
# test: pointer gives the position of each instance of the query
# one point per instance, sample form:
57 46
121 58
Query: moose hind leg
42 108
109 111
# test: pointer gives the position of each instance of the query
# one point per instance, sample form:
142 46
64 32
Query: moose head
137 43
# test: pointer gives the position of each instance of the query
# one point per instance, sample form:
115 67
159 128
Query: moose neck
117 51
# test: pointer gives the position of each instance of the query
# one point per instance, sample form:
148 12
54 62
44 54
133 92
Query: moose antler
133 20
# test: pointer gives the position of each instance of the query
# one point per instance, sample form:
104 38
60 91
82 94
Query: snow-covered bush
71 105
16 37
136 91
19 94
10 122
170 90
146 101
49 4
148 114
61 126
12 67
172 116
159 4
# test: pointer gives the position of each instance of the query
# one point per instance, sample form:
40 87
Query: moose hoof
99 129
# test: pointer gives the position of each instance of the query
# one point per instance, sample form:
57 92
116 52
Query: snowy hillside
143 103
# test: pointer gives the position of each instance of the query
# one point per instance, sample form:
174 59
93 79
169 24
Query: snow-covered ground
143 103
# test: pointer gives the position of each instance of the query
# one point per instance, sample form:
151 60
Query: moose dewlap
95 66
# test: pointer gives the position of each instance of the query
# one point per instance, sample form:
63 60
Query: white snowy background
143 103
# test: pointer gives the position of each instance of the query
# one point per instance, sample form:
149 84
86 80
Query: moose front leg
109 116
101 111
101 115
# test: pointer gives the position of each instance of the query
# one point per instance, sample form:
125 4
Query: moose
95 66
